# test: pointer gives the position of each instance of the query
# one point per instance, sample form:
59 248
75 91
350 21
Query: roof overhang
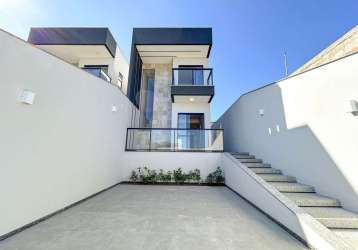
161 45
80 42
165 53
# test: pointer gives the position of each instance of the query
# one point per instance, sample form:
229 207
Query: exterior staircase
328 211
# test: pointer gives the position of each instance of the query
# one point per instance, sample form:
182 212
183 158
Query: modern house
286 148
172 85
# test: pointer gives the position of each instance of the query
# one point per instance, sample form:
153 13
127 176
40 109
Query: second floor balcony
192 84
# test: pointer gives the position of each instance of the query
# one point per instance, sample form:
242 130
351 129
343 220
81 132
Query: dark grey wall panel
172 36
73 36
193 90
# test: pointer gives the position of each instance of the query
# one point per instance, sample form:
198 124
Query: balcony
174 140
97 71
192 85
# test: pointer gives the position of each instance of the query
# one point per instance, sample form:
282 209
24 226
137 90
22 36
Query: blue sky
250 37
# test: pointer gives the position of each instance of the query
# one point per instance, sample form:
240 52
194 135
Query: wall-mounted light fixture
27 97
261 112
114 108
351 106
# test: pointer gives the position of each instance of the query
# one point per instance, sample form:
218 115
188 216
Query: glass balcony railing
193 76
97 72
174 140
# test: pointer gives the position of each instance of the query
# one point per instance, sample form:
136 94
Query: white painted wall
63 148
317 140
168 161
191 108
190 61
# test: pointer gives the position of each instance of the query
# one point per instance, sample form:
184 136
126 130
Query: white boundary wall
312 137
168 161
66 146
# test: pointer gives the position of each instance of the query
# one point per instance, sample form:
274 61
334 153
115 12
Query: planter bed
172 183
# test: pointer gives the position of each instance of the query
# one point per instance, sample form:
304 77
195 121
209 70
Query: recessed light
191 99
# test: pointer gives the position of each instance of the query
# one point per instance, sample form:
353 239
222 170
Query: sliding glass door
190 135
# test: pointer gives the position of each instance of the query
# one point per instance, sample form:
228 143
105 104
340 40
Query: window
100 71
147 98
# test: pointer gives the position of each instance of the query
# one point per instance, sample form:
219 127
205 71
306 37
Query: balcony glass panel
192 76
198 140
138 139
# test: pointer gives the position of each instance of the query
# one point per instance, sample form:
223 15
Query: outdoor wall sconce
27 97
351 106
261 112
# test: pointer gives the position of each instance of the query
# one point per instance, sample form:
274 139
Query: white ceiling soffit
72 53
165 53
191 99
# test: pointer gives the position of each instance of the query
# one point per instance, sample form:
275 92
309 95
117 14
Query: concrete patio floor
157 217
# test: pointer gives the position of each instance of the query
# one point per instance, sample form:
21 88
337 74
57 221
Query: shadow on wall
305 134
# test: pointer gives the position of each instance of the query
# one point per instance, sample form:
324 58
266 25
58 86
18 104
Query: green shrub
134 176
210 179
179 176
149 176
168 176
194 175
216 177
164 177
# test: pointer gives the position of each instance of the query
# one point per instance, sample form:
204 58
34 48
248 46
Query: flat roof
172 36
73 36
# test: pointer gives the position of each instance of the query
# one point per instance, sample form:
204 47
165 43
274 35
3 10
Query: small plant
134 176
194 175
168 176
179 176
210 179
149 176
164 177
161 176
216 177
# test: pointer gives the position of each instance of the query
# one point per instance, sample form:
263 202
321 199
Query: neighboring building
93 49
344 46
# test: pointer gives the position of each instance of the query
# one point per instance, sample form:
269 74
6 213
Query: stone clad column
162 107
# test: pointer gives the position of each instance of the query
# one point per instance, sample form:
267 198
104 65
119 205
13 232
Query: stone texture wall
162 105
162 108
344 46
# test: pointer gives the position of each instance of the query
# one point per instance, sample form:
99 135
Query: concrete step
348 235
240 153
244 156
334 217
287 187
277 178
250 160
312 200
266 170
256 165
